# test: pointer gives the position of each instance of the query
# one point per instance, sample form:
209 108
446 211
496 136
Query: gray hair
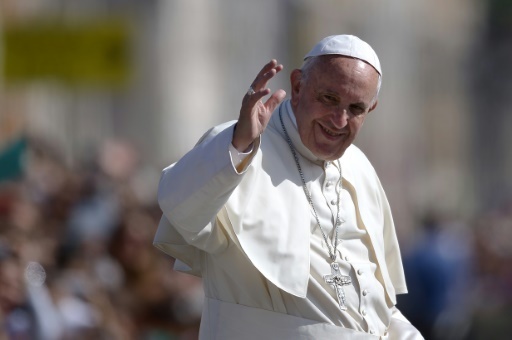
308 64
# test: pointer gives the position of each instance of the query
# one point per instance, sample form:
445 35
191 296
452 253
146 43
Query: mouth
330 133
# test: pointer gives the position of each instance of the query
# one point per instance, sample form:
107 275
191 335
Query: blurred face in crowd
12 292
331 98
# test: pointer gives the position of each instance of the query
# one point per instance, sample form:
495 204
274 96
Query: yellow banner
93 53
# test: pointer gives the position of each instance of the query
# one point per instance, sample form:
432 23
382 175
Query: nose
340 118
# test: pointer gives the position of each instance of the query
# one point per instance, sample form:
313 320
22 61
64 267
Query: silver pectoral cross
338 281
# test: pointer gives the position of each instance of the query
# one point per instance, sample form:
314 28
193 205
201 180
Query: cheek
357 123
306 127
303 118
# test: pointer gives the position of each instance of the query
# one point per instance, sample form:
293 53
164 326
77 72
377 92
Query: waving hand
254 114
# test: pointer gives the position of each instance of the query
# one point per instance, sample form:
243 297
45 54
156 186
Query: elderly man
283 218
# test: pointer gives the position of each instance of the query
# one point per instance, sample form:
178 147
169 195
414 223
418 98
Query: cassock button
363 312
328 184
372 331
360 272
365 292
333 202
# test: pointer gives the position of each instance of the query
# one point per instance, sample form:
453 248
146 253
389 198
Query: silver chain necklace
336 279
332 250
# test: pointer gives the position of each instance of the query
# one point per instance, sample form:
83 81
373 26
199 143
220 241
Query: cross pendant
338 281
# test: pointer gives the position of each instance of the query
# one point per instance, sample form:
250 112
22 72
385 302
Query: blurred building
187 64
129 82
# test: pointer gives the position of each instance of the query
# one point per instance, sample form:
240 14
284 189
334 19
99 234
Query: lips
329 132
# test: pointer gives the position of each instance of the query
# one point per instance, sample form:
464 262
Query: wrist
241 144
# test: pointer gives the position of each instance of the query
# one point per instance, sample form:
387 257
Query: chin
329 151
332 158
329 156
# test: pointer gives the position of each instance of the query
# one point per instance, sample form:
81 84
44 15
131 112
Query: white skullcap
346 45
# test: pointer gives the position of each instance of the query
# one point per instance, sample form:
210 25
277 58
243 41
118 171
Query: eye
357 110
329 99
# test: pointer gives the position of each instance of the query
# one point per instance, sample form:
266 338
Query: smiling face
330 101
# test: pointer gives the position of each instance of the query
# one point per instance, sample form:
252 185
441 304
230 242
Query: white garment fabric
354 256
256 324
254 240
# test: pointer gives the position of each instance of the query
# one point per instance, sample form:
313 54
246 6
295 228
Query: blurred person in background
285 220
16 313
491 301
439 267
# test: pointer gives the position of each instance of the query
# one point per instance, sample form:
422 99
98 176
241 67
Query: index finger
266 73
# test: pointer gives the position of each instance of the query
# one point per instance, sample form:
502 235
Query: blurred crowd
459 276
77 260
76 253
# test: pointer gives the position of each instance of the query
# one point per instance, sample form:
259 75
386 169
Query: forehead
341 70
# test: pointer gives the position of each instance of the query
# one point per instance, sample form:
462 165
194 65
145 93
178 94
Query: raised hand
254 114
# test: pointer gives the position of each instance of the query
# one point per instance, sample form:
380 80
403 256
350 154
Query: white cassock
253 238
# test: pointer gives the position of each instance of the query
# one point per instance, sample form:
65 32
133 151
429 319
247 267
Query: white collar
290 124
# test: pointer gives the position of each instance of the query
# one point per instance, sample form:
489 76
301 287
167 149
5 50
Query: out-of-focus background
97 96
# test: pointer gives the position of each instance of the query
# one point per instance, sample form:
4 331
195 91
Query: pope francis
283 218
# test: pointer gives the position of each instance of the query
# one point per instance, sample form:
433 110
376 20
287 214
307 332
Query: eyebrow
331 92
361 104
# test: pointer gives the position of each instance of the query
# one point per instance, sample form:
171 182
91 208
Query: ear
373 106
295 83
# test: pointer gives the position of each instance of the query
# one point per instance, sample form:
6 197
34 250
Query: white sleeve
238 157
193 190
